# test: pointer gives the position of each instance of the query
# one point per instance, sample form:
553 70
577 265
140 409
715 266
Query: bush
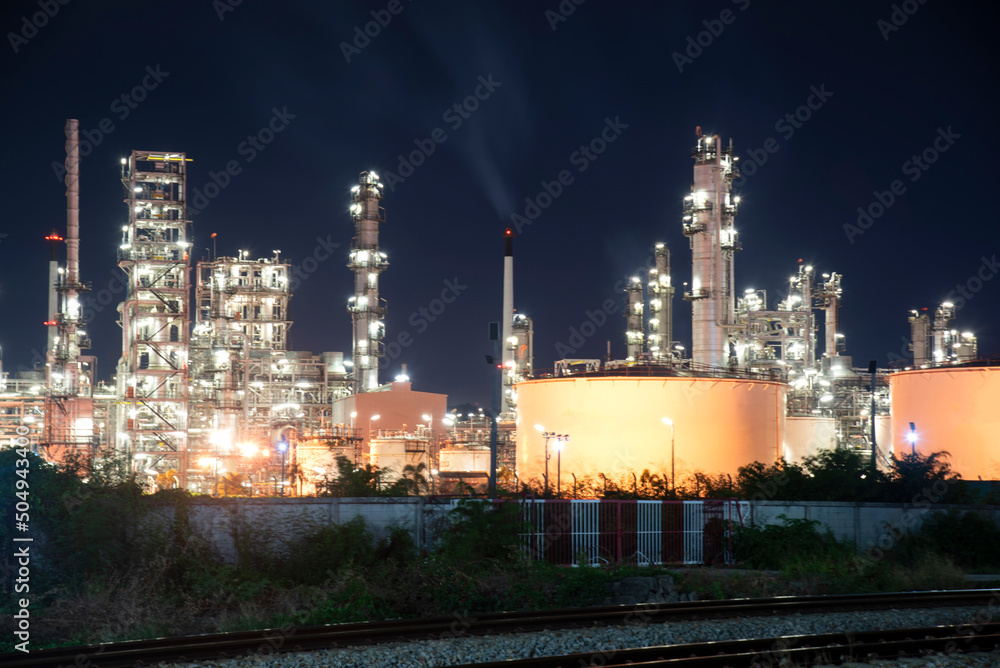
480 532
791 544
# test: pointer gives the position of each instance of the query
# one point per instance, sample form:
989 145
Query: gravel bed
603 641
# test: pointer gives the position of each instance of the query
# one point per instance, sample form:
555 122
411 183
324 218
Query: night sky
212 75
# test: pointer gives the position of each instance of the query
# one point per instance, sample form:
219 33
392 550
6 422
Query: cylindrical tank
474 458
883 437
807 435
393 454
954 409
616 426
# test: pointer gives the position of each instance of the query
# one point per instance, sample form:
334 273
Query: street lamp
561 441
354 414
673 483
546 435
912 438
283 447
374 417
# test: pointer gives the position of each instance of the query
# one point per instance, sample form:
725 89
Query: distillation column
634 331
661 310
828 298
709 214
920 332
367 262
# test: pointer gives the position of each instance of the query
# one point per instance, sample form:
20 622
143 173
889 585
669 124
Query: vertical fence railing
645 533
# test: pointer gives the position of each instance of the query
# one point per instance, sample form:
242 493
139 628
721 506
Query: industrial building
208 388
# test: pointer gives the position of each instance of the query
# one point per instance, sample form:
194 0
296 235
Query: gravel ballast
603 641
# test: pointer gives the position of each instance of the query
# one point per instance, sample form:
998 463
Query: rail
304 638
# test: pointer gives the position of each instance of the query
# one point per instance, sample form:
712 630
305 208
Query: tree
231 484
354 481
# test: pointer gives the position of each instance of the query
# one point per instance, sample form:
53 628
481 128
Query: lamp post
560 444
375 418
546 435
673 483
354 414
283 447
912 438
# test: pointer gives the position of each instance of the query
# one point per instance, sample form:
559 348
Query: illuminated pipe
367 262
634 334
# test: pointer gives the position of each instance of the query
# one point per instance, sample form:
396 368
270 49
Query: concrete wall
272 523
869 525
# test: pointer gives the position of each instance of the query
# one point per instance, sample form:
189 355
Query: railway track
804 650
270 641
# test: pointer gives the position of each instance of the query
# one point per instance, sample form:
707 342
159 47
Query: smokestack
72 207
507 320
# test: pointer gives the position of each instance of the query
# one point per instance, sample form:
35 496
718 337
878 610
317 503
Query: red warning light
509 232
53 237
49 323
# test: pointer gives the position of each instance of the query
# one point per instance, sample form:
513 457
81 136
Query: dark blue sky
221 78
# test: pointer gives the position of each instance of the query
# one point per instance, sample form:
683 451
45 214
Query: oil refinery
207 386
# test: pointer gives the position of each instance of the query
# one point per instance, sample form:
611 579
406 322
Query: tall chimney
507 320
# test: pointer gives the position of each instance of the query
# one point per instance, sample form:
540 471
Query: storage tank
807 435
616 426
956 409
392 452
473 458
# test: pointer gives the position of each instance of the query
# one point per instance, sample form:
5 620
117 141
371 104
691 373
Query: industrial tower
152 380
68 406
709 214
367 262
661 309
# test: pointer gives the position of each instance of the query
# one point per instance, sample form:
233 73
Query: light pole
546 435
912 438
374 417
354 414
673 483
283 447
561 441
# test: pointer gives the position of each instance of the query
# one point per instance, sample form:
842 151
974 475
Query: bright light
667 421
354 414
426 417
911 437
374 417
539 427
247 449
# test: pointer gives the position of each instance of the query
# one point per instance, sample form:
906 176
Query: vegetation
113 562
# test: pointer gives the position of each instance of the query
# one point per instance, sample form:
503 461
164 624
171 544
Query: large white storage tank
615 425
468 459
956 409
807 435
392 452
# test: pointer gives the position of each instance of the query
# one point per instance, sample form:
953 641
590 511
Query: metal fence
596 532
